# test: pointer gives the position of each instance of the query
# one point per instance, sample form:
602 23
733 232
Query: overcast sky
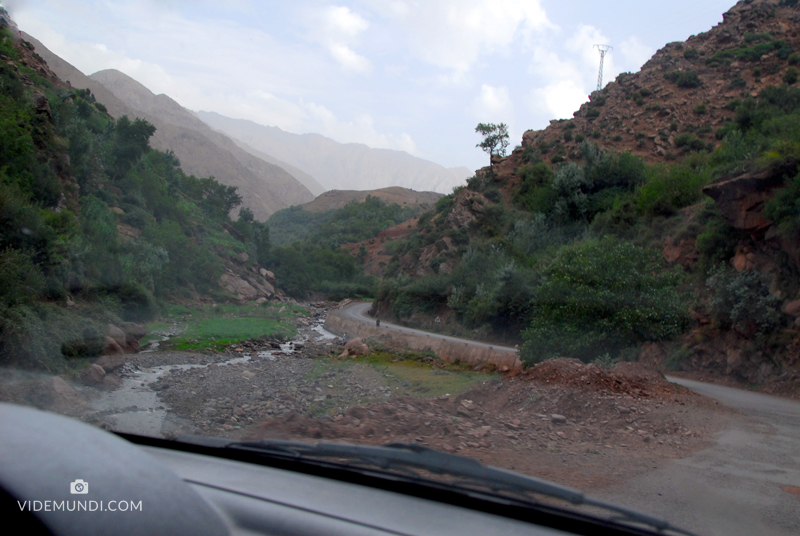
413 75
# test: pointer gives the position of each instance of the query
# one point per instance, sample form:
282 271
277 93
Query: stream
136 408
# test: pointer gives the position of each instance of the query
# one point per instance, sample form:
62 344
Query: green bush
690 53
684 79
669 188
689 142
602 296
742 301
790 76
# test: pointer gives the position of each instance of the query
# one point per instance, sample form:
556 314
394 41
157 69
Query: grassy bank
212 326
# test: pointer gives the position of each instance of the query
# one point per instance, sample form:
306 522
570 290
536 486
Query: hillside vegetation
308 257
575 247
97 227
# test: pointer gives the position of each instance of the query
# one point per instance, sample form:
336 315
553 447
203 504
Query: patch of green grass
211 332
416 378
154 330
218 325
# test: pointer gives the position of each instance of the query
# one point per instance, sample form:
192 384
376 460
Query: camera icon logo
79 487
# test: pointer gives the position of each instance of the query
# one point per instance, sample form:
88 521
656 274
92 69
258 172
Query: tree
495 139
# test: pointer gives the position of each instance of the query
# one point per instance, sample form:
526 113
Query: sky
411 75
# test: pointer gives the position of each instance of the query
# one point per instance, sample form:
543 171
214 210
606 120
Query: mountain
203 152
348 166
661 222
336 199
305 179
686 92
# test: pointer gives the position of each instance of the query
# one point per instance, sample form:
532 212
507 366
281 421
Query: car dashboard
135 485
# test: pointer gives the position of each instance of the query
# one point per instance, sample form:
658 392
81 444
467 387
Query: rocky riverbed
577 424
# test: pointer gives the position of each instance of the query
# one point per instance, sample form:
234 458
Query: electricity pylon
603 50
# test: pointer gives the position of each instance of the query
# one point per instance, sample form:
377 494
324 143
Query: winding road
358 311
747 483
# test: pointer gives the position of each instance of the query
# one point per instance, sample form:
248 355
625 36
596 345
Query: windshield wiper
403 456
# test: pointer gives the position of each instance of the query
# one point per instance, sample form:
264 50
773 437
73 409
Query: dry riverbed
565 421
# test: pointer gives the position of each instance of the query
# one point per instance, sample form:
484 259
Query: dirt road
358 311
746 483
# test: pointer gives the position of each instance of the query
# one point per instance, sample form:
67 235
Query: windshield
558 239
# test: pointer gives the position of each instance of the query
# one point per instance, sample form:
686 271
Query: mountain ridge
342 166
265 187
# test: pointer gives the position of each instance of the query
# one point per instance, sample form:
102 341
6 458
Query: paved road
358 311
747 483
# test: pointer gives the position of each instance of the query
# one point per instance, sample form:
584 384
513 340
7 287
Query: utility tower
603 50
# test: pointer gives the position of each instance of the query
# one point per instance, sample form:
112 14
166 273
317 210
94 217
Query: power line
604 49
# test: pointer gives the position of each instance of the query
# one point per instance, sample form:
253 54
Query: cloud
349 59
455 34
634 53
343 21
492 101
337 28
559 100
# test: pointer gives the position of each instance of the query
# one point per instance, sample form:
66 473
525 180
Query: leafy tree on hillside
495 139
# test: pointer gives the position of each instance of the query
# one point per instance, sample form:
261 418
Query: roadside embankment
447 349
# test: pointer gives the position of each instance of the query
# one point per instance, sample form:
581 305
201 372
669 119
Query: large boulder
117 334
60 396
133 332
111 363
234 284
93 375
112 347
355 347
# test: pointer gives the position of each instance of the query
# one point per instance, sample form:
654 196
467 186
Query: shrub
690 53
689 142
670 188
790 76
701 108
737 83
684 79
592 113
602 296
794 58
742 301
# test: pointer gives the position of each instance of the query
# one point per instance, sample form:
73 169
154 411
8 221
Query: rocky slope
203 152
351 166
683 89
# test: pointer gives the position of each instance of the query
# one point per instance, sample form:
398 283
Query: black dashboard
60 476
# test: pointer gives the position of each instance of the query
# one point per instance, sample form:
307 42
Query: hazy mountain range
271 168
344 166
265 188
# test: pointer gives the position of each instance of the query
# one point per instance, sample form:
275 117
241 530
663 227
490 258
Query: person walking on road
377 322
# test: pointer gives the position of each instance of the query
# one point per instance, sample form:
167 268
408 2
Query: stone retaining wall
445 349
